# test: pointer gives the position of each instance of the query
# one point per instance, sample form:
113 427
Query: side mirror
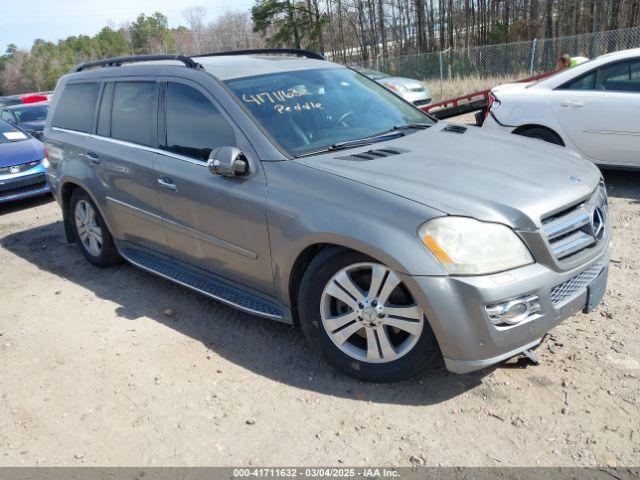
228 162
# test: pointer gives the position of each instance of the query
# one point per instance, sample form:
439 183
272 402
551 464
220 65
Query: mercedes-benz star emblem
597 223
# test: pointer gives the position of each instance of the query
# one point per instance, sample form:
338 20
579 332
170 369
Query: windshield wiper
412 126
389 134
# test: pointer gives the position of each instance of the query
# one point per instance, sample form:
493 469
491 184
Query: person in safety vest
567 61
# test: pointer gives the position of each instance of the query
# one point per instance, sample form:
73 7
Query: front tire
359 316
91 232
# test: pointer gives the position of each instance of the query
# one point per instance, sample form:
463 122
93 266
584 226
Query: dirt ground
94 373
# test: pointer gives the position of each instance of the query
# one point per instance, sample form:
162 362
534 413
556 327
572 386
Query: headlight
469 247
45 162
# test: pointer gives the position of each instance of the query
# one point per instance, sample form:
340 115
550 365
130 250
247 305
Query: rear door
599 112
121 155
217 223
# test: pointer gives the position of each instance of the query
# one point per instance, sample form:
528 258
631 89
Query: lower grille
23 185
420 103
572 287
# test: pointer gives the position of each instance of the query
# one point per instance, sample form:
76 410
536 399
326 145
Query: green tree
294 24
151 34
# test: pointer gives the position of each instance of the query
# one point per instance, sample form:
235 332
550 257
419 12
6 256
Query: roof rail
118 61
269 51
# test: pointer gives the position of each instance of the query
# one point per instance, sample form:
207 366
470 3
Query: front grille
572 287
578 227
13 169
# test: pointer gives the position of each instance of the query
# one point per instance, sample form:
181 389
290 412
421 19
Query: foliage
294 24
151 34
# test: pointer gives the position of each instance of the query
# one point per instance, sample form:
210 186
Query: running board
202 283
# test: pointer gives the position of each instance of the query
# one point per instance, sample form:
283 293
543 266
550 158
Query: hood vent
373 154
459 129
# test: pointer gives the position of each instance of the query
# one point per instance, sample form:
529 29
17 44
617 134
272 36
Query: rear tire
543 134
91 232
358 315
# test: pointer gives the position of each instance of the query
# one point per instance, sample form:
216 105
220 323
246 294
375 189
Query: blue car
22 164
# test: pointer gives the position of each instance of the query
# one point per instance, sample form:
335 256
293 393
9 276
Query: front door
217 223
599 112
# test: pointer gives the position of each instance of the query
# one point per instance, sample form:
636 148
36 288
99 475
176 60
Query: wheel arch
529 126
305 253
68 185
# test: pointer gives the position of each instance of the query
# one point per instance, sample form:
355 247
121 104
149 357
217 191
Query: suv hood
492 177
37 125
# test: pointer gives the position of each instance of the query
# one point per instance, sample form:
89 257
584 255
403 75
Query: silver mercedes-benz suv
297 189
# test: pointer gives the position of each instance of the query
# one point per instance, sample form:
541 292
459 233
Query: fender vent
373 154
459 129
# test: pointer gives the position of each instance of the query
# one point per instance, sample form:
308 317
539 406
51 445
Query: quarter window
76 106
194 125
6 115
134 112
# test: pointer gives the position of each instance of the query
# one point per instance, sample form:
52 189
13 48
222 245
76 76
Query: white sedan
593 108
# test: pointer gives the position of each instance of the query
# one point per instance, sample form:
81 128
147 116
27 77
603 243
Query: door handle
572 104
167 183
92 157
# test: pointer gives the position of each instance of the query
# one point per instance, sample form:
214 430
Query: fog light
513 311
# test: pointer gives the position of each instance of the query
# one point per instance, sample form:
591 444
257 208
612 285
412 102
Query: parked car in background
413 91
10 100
593 108
22 164
28 116
297 189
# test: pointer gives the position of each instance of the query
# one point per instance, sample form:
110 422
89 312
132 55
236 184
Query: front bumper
30 183
455 308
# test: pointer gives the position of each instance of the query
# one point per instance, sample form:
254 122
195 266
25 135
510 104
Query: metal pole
441 74
442 69
533 56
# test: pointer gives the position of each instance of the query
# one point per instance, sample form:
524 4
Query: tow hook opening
524 359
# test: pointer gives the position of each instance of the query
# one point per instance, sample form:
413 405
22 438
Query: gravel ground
96 371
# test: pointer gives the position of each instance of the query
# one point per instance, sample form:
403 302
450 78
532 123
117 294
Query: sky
23 21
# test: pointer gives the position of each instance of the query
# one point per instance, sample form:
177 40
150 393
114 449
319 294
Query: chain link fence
515 60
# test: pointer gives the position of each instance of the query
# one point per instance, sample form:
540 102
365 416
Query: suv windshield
9 133
32 113
309 110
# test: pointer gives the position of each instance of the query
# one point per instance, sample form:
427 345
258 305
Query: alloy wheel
369 314
89 230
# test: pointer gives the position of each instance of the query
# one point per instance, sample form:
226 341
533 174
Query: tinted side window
75 108
133 114
194 125
620 77
586 82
